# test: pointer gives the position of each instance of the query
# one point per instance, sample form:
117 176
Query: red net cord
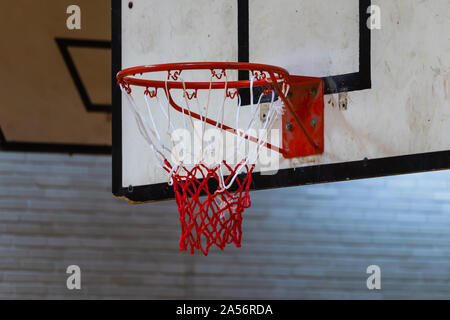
215 218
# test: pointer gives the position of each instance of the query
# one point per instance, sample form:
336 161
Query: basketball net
211 193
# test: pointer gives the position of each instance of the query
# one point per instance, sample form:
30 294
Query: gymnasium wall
303 243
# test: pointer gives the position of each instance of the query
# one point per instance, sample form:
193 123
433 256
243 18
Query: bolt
313 123
289 127
130 4
313 91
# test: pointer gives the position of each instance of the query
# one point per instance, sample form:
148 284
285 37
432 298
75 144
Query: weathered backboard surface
55 87
387 98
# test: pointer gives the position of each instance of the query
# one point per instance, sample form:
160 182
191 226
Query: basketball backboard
385 68
56 88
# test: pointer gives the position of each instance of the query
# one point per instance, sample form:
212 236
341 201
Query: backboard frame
361 80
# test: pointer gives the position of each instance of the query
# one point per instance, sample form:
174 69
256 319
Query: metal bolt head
313 92
313 123
289 126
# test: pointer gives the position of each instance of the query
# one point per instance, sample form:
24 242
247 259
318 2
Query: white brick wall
306 242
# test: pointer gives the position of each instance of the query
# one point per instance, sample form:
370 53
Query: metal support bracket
303 121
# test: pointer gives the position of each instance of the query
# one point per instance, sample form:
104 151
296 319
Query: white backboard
388 61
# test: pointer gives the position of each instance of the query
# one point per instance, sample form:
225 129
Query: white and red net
211 192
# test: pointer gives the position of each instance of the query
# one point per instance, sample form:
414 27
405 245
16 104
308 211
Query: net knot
124 85
191 95
151 93
232 93
259 75
218 76
175 75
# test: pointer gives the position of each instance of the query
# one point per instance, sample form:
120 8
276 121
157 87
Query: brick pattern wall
305 242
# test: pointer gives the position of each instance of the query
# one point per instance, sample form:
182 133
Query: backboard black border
361 80
332 84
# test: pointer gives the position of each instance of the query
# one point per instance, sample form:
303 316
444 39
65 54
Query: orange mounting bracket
303 121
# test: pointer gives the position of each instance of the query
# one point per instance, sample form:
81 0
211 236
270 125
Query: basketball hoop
211 196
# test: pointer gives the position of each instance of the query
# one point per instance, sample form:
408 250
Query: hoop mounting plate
306 95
